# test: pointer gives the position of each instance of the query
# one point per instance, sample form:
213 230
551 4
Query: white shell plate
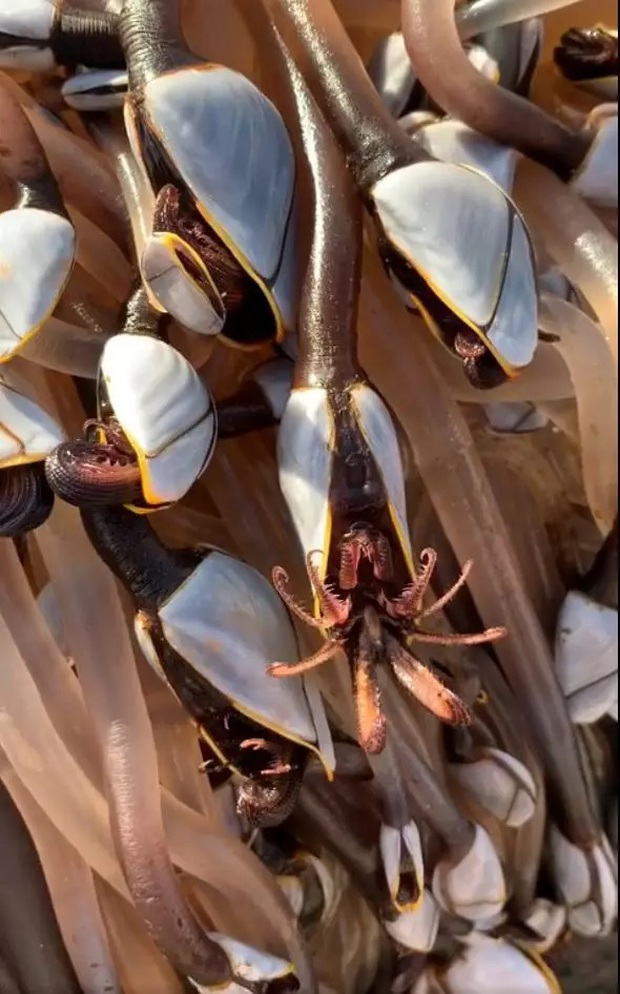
37 249
587 882
531 36
377 426
28 58
597 178
474 888
231 147
305 442
453 141
501 784
165 410
459 237
396 844
175 291
285 288
416 930
453 224
514 330
247 964
229 623
27 18
490 965
586 656
391 71
80 93
27 433
305 463
275 378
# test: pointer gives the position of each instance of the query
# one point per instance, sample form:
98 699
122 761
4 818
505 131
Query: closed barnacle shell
244 626
165 411
485 965
587 881
155 434
500 783
472 888
586 656
515 417
499 307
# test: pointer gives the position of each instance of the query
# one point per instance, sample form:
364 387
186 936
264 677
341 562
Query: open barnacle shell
417 928
164 410
485 966
27 435
470 251
176 289
36 258
500 783
95 90
545 921
474 887
586 656
246 199
228 623
587 881
312 875
306 457
251 970
26 26
401 849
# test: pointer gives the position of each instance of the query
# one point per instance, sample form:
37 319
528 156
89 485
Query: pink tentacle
456 638
280 578
311 662
419 681
441 602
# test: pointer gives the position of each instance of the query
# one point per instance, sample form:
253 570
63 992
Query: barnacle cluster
308 494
